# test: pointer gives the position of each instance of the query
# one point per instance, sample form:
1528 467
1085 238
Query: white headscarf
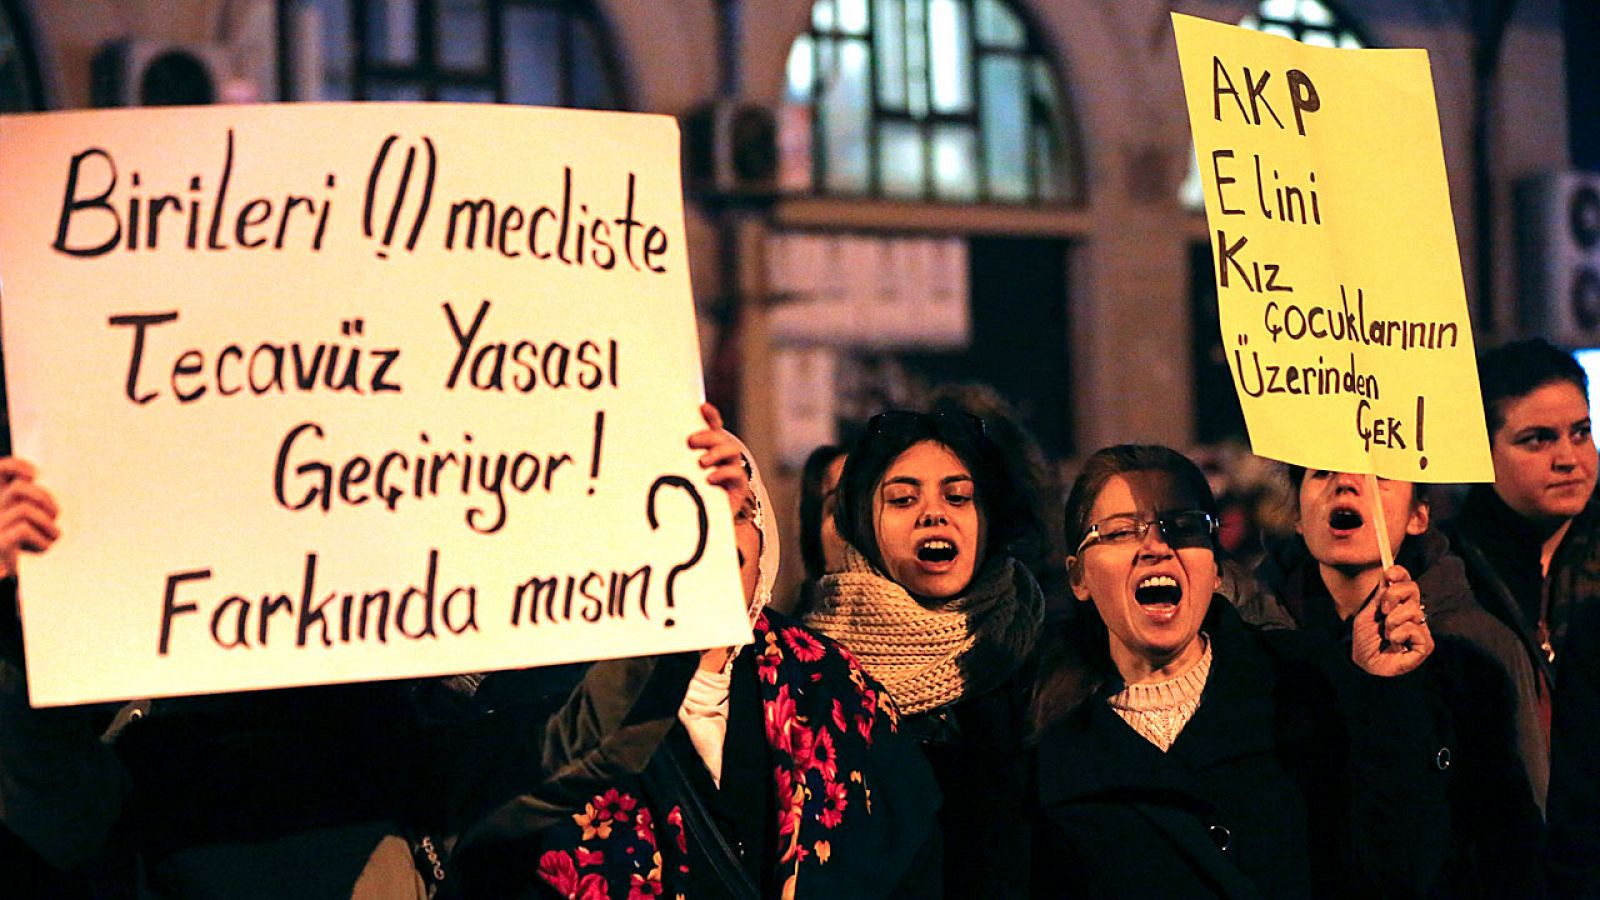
704 711
767 565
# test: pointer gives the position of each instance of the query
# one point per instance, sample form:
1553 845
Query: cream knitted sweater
1159 710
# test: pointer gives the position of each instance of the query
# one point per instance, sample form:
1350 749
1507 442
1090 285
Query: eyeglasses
900 421
1179 528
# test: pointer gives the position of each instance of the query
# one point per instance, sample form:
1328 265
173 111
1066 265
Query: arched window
1308 21
537 52
944 100
20 90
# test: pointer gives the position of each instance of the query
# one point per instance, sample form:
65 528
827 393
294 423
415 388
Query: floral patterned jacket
855 801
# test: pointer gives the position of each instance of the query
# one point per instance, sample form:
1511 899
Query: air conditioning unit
153 73
1558 244
732 150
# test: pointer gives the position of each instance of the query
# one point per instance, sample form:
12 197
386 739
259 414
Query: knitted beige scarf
930 657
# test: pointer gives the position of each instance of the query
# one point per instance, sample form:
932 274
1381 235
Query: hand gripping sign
358 391
1344 318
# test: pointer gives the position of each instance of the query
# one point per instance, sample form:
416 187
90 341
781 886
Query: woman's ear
1075 578
1417 522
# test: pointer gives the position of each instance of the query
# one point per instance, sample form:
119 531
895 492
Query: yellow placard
338 392
1343 314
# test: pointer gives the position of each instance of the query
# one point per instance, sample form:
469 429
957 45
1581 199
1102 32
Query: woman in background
821 548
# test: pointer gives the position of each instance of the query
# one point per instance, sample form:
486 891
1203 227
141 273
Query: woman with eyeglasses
1179 753
931 603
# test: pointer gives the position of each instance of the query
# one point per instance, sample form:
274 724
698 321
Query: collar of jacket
1289 571
1092 751
1499 531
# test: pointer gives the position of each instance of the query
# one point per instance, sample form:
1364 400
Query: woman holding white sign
304 793
785 776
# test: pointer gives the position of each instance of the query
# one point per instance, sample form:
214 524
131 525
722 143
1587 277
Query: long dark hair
1076 664
998 496
811 501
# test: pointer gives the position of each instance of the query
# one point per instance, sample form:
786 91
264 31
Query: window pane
917 58
1349 41
1005 127
1044 90
1314 13
1284 30
889 49
321 55
998 26
848 113
822 15
1192 192
1278 9
949 42
15 95
591 85
392 32
852 16
801 69
464 34
533 56
1048 165
459 93
900 159
955 170
1319 39
396 91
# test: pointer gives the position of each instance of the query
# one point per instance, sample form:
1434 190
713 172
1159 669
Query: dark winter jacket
1485 692
1502 552
1298 776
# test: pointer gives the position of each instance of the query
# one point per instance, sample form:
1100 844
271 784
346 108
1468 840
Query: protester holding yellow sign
1343 313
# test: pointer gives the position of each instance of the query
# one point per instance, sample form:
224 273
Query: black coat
975 749
1298 776
1484 697
1502 552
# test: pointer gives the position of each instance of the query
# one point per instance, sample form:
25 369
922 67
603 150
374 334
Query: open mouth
1345 520
1158 590
936 550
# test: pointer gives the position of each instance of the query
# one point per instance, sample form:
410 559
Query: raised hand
1390 634
723 455
27 514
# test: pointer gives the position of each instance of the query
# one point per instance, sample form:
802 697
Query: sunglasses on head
901 421
1179 528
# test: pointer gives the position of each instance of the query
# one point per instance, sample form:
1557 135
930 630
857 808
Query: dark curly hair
998 495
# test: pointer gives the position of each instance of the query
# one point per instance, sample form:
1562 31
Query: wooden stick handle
1385 549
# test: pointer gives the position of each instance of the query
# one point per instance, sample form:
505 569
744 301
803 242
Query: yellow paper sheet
1343 313
355 391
